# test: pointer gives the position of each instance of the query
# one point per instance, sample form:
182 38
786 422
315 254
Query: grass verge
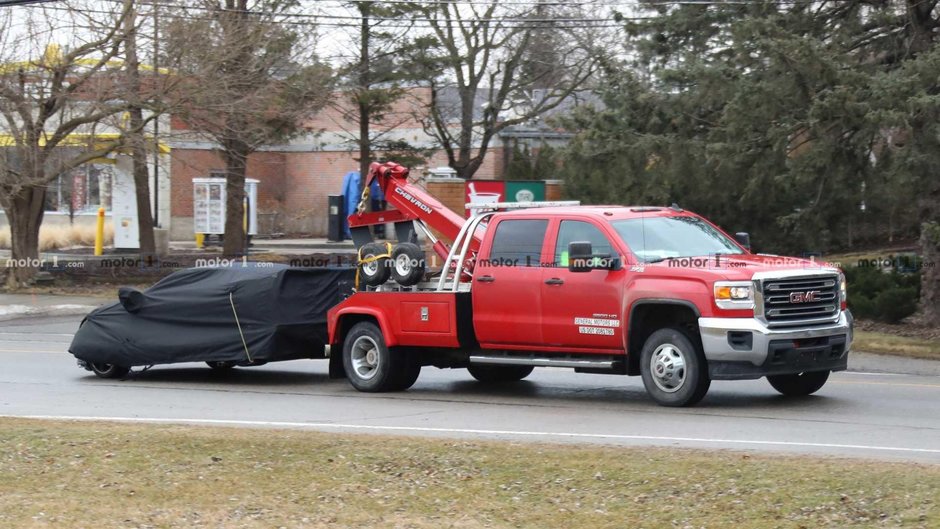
76 475
884 343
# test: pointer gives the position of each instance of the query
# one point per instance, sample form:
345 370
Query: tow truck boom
411 204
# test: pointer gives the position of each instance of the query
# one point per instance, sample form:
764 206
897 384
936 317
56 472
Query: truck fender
359 314
636 333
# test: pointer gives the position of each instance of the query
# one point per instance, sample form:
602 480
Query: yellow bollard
200 240
99 233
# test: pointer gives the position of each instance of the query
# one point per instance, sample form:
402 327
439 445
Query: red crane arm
411 203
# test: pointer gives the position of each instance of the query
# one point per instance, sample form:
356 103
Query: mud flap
336 365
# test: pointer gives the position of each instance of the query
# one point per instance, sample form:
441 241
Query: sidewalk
278 246
275 244
14 306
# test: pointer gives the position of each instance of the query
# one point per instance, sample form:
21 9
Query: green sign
525 191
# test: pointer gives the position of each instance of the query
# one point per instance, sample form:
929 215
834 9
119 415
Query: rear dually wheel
371 366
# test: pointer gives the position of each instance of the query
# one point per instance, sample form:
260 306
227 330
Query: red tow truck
652 291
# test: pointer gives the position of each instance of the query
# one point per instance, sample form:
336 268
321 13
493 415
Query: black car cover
253 313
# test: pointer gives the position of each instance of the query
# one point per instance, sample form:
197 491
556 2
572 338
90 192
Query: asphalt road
882 416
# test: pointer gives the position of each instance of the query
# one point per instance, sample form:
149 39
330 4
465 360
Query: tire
373 367
799 385
407 265
221 365
110 370
490 374
673 368
376 272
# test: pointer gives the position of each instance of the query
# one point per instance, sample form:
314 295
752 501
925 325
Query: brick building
296 178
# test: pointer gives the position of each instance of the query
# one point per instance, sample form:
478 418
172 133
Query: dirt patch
911 327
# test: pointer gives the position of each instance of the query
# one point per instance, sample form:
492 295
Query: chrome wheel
365 357
370 268
668 367
403 265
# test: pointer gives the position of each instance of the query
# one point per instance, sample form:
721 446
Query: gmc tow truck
658 292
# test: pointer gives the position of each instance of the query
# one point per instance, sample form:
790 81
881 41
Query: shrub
58 237
875 293
895 304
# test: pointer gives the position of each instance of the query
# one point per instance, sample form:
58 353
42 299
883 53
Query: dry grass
57 475
879 342
58 237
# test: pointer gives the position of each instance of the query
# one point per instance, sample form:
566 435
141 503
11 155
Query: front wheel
490 374
110 370
799 385
673 368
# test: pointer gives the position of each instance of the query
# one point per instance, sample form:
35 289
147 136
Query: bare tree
134 92
480 58
55 97
249 80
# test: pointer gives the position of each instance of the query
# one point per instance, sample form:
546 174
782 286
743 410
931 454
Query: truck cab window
576 230
518 243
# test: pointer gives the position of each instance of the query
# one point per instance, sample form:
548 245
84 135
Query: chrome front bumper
744 346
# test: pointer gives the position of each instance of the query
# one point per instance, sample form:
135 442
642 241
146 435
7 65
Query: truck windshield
655 239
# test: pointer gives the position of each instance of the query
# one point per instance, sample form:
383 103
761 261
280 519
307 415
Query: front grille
798 300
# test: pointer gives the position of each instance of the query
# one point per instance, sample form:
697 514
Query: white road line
32 341
26 351
69 335
571 435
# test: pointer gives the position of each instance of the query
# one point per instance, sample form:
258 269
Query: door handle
486 279
555 281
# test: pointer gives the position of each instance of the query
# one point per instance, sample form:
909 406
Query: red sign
483 191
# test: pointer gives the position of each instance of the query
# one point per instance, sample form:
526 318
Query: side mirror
132 299
744 239
581 258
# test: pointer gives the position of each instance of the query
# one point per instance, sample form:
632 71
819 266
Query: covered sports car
241 315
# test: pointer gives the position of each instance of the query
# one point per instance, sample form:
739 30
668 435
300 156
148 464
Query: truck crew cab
652 291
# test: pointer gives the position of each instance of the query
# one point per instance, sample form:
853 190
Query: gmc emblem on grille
803 297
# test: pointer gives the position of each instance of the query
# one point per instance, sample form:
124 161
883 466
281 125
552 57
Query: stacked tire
404 264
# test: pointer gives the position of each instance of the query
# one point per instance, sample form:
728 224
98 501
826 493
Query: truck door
582 310
507 283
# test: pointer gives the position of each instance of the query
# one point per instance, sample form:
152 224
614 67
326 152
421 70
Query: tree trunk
365 105
236 164
930 272
24 212
138 151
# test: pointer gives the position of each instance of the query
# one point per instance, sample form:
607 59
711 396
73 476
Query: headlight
734 295
843 290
